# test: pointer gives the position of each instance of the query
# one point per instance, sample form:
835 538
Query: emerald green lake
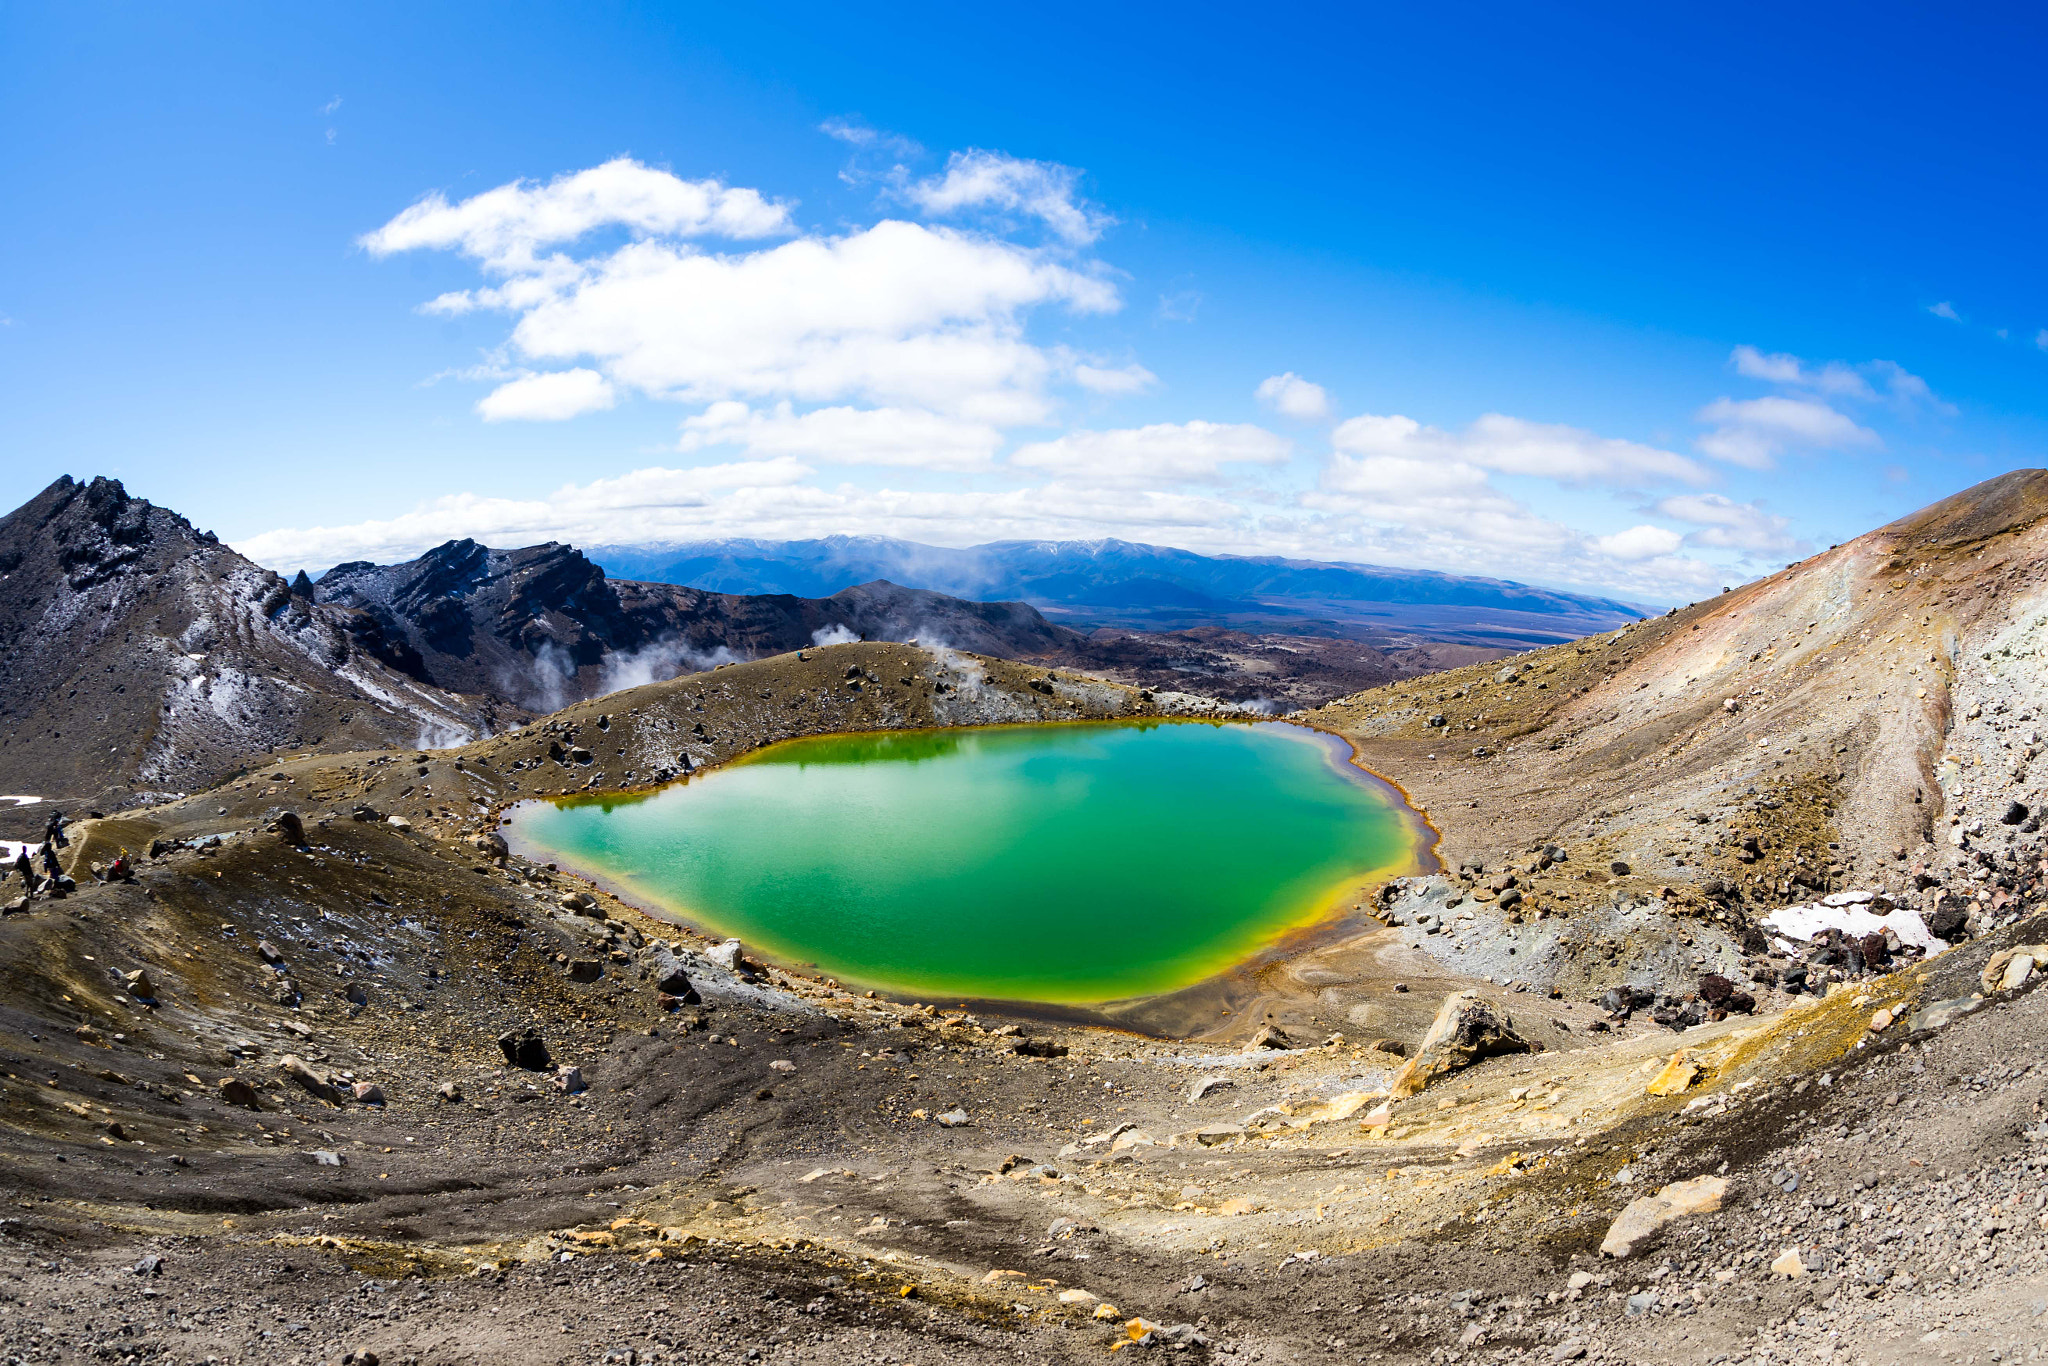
1053 863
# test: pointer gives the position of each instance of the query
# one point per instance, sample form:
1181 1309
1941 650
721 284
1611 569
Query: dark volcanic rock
525 1048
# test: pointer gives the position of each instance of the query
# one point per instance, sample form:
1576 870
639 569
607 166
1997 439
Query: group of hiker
52 877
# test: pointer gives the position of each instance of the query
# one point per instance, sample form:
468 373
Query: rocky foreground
1695 1049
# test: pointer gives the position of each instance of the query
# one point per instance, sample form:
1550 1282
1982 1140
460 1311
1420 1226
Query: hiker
50 864
53 833
27 869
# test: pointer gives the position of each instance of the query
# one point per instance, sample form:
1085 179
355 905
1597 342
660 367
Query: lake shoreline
1205 1004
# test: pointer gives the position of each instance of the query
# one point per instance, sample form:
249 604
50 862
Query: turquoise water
1056 863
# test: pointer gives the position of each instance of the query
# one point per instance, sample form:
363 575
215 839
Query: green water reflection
1062 863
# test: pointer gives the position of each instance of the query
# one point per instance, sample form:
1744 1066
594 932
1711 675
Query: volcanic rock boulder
1468 1027
526 1049
1643 1217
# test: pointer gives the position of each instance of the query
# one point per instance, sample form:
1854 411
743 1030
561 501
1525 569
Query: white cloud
1167 452
1123 379
1043 190
1835 377
1839 379
1292 396
505 227
1639 542
1728 525
860 136
550 397
1754 432
1945 309
895 315
1512 445
1447 514
1180 306
846 436
1908 391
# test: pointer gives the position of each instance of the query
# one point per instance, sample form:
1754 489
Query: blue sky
1600 297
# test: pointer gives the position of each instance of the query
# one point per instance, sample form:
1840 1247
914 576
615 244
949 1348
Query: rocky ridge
139 657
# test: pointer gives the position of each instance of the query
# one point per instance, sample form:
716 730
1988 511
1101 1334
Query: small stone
953 1119
151 1265
1579 1280
314 1082
1202 1086
1078 1298
235 1091
1568 1351
368 1093
139 986
323 1158
728 955
1268 1036
569 1081
1788 1264
1618 868
449 1091
782 1065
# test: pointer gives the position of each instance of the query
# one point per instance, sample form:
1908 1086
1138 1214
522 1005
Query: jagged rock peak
95 530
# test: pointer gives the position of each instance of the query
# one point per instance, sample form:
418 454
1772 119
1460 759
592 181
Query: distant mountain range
1122 583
